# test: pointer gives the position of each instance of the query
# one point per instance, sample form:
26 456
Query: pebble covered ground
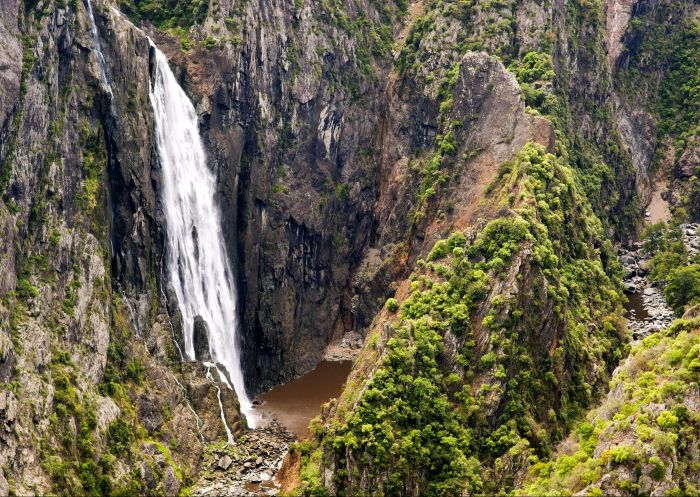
247 467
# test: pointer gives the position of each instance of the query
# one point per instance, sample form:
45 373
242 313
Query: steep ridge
362 444
493 353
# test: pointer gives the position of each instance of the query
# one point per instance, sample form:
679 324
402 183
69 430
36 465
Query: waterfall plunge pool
294 404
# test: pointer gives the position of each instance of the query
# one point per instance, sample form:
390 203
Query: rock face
647 53
10 58
617 16
85 339
201 340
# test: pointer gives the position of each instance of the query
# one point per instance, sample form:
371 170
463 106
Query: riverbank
654 314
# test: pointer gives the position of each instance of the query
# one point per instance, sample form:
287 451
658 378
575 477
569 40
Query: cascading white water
98 51
197 263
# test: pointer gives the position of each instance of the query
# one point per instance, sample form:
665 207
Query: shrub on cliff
467 384
683 287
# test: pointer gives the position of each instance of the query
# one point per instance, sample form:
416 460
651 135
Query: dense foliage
470 386
167 13
663 69
645 433
671 266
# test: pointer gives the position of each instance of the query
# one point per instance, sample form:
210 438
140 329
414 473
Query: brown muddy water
296 403
635 307
658 209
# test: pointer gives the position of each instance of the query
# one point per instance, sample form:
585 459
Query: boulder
151 412
225 462
171 485
201 340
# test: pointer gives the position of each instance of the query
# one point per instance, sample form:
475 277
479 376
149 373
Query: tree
683 286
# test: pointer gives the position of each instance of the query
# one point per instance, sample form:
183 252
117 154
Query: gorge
204 202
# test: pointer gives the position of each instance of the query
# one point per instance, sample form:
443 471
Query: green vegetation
166 14
392 305
664 70
534 72
74 466
683 286
680 105
671 267
649 412
94 166
454 418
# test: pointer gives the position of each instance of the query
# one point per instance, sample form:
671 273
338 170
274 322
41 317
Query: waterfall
98 51
196 259
210 377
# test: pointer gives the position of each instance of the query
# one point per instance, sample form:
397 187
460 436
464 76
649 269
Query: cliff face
90 328
348 139
655 71
288 96
89 400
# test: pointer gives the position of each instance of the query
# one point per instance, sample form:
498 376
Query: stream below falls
296 403
248 467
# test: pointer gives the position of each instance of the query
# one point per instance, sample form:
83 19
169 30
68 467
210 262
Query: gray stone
171 485
4 486
225 462
201 340
150 412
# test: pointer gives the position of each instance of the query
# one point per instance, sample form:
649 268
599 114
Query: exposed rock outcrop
201 340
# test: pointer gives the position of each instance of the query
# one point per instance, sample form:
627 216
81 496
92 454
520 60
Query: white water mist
102 65
197 262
